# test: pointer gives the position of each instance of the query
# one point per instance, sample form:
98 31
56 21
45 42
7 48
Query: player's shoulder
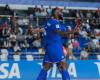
53 21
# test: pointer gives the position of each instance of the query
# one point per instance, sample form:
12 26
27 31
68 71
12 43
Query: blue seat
10 50
92 56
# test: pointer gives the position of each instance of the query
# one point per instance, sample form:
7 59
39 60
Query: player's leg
43 73
62 66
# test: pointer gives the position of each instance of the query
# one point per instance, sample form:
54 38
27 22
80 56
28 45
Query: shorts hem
55 61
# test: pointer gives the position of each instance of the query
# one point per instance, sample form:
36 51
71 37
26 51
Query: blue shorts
54 53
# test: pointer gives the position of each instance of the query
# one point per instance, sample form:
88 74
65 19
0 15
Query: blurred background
18 18
18 43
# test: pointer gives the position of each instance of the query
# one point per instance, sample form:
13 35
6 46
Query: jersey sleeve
63 28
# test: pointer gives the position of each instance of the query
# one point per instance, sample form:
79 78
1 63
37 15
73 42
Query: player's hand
37 30
42 30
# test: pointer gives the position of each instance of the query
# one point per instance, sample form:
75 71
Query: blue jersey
53 41
51 36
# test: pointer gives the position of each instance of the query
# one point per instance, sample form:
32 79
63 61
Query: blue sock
65 75
42 75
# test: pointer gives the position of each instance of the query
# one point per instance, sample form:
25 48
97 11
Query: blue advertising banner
29 70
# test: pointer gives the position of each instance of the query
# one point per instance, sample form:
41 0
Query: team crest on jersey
48 24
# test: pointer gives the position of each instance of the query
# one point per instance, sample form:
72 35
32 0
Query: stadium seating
23 23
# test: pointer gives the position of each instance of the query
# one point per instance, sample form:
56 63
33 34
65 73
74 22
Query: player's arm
62 33
37 30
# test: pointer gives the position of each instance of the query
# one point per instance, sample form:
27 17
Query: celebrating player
53 46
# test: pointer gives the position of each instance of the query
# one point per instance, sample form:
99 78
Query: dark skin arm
63 34
37 30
